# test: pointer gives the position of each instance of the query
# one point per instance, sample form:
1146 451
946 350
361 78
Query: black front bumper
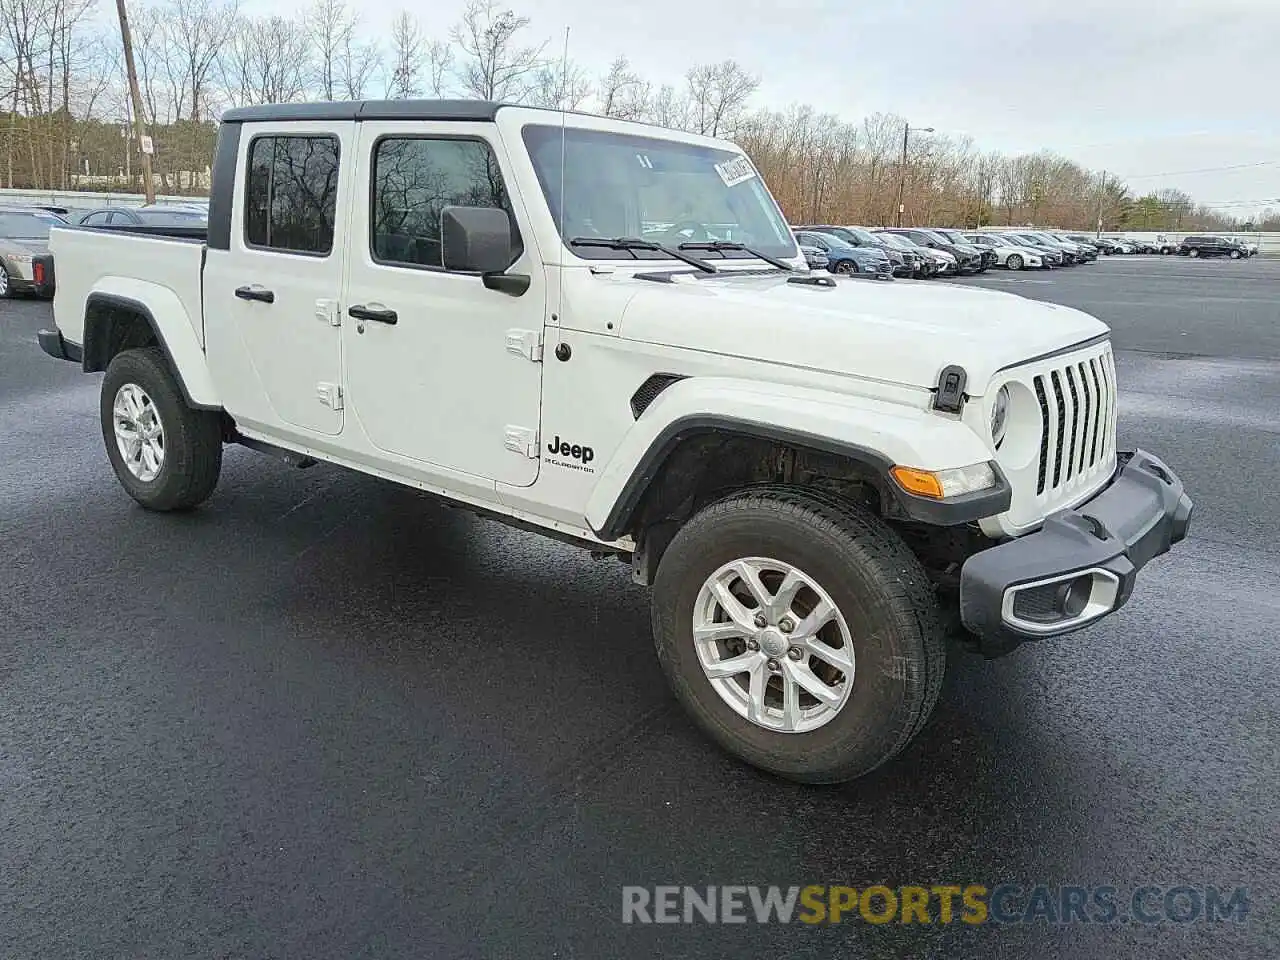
1012 592
55 345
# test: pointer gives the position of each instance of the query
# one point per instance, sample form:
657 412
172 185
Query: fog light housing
1061 604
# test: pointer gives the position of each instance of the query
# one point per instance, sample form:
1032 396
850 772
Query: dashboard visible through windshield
663 191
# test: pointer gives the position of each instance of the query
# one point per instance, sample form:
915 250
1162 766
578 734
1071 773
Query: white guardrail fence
1268 243
84 200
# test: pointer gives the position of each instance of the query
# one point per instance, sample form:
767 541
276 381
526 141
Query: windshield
24 226
831 240
934 236
665 191
862 236
893 240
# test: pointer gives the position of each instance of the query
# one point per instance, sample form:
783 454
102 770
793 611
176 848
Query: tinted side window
414 179
95 220
291 193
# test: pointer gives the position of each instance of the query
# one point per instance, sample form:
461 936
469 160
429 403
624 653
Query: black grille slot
648 391
1070 448
1099 414
1087 422
1044 433
1062 424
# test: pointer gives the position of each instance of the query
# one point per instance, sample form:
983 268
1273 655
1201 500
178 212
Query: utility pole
126 40
902 172
1101 197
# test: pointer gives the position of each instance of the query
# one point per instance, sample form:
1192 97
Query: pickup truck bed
171 264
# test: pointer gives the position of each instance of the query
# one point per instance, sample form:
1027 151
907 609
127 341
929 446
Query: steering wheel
694 228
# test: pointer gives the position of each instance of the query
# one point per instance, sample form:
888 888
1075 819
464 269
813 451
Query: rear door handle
380 314
256 292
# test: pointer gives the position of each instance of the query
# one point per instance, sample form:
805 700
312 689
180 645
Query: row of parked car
923 253
26 266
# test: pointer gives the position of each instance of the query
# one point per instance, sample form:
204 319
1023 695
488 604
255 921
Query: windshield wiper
720 246
635 243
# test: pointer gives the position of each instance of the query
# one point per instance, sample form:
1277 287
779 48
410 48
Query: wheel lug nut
760 621
774 666
753 645
786 625
795 653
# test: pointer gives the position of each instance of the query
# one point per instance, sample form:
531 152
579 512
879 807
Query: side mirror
478 240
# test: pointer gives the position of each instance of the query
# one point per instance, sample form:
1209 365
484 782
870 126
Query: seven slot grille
1077 419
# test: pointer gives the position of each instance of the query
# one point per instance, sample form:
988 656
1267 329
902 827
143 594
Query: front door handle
256 292
381 315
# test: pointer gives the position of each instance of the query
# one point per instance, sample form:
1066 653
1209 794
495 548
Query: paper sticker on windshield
735 171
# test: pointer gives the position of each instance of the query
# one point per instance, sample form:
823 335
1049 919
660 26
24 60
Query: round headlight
1000 416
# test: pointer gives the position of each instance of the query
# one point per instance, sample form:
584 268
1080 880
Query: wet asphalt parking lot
323 716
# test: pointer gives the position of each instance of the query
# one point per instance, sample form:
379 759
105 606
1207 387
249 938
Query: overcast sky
1137 87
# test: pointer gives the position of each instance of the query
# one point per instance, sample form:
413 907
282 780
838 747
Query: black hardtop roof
367 110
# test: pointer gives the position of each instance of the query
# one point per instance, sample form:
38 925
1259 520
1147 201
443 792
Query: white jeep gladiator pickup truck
604 331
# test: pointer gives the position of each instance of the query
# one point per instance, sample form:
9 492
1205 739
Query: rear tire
165 454
1235 254
845 267
885 616
1193 252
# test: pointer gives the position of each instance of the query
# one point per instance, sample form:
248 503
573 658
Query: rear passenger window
291 192
414 179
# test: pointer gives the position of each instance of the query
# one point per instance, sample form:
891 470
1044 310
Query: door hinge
327 312
330 394
525 343
522 440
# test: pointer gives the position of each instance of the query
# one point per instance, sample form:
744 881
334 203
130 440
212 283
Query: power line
1187 173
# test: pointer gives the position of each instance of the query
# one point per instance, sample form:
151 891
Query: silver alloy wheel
139 432
1014 262
773 644
4 282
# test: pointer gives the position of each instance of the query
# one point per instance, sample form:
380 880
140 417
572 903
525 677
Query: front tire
845 267
1193 252
1235 254
1014 262
166 455
799 632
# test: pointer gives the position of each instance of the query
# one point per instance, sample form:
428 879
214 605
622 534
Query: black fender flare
97 340
962 509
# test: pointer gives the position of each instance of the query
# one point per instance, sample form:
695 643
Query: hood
902 333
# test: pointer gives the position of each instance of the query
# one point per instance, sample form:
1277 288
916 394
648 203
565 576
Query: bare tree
360 60
266 61
494 64
330 27
667 108
563 86
718 94
197 31
439 67
408 57
618 91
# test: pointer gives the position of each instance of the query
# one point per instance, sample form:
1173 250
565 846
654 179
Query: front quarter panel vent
648 391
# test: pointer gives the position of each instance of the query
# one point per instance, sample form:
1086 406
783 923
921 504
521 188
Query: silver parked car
815 258
26 266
